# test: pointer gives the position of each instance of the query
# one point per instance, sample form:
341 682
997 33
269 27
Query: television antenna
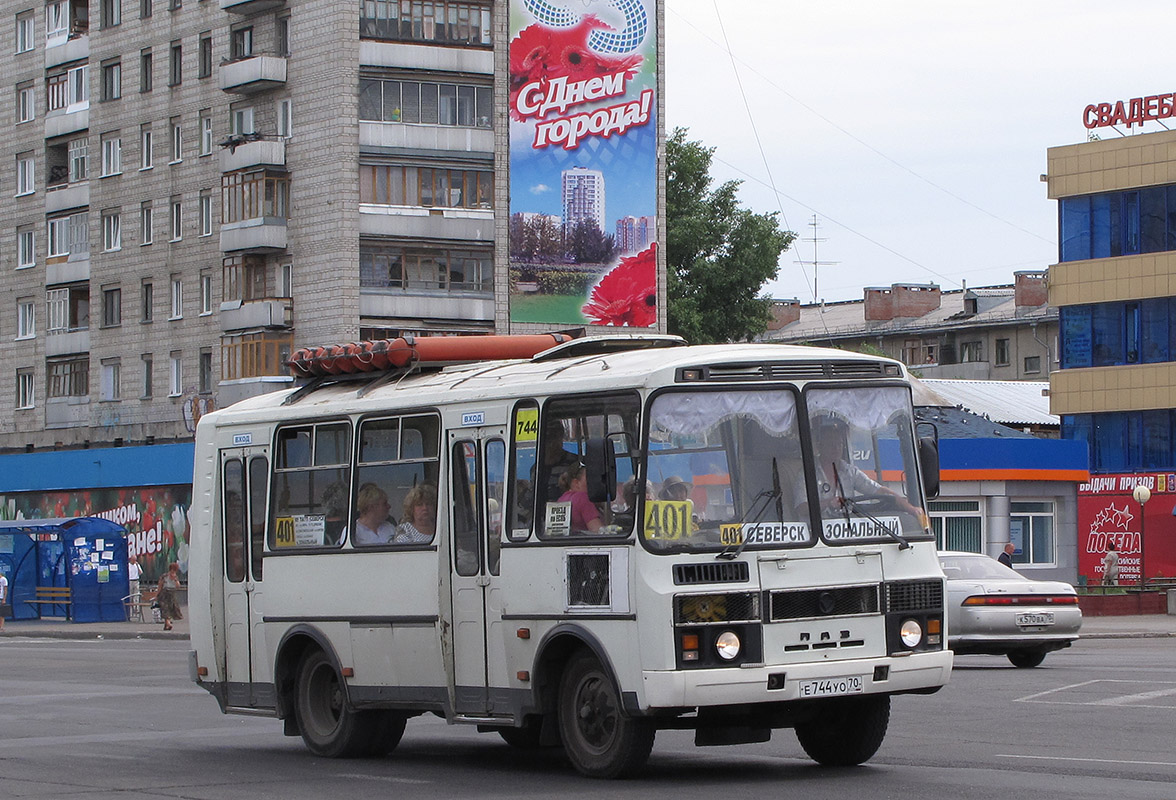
815 224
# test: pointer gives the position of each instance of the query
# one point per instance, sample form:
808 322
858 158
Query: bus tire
526 737
847 732
599 739
328 725
387 730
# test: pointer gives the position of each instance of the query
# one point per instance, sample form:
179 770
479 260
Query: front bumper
749 684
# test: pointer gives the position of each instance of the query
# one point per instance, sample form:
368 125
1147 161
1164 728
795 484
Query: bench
53 596
138 606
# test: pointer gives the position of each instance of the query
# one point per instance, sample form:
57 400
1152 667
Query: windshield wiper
848 504
734 551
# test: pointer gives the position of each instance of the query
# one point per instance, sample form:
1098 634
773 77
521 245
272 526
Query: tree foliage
719 255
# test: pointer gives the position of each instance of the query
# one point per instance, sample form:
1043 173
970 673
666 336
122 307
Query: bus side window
522 466
258 479
495 495
234 520
464 471
312 479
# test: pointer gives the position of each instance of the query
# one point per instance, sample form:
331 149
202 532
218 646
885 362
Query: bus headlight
727 645
911 633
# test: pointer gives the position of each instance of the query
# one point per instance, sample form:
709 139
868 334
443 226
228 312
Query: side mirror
929 465
600 468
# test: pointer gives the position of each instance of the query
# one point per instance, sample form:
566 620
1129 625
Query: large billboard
1107 512
583 162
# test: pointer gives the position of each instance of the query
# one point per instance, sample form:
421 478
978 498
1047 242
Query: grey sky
916 131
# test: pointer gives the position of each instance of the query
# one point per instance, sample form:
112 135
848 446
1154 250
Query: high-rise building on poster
584 146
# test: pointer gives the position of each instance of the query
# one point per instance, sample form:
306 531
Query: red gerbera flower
627 294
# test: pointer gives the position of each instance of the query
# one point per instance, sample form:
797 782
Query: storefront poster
1107 512
583 162
156 519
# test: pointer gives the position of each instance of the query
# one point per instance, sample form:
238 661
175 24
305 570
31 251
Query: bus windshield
724 469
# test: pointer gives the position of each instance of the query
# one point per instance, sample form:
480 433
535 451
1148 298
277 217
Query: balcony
250 6
72 119
62 196
470 308
268 313
67 412
64 344
258 235
253 74
73 48
67 269
256 152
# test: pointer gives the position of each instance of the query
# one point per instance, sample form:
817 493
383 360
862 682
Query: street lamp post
1141 494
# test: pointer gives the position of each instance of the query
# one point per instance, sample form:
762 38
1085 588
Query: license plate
831 687
1029 620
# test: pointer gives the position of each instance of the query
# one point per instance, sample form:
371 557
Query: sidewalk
1126 627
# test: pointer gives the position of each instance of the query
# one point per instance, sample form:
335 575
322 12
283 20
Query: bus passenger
556 458
420 515
674 488
574 483
372 525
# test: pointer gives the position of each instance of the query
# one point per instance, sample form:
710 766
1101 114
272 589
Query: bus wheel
849 731
329 727
599 739
525 737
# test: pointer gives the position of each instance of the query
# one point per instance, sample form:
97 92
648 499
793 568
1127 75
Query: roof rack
612 343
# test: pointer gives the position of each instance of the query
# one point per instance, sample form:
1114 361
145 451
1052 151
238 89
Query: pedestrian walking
168 595
1006 557
5 606
1111 566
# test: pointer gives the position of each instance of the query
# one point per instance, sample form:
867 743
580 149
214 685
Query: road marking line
1128 698
113 738
1092 760
1033 697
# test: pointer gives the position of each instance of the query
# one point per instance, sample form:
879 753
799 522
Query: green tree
719 255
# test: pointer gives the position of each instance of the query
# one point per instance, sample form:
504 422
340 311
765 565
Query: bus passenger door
244 481
477 486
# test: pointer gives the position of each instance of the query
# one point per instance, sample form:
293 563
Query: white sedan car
994 610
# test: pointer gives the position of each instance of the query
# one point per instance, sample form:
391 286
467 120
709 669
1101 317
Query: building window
146 389
285 114
68 90
241 121
430 103
1002 352
441 22
56 22
205 69
111 378
434 268
111 81
146 147
111 231
111 155
244 279
205 386
177 219
26 253
68 378
1114 334
255 355
26 103
177 298
25 393
253 195
241 43
205 295
175 377
206 213
111 13
111 307
68 235
146 223
177 140
68 309
1031 530
26 175
146 68
286 280
26 318
175 70
24 32
971 351
147 301
426 187
146 9
958 525
282 35
205 132
78 154
175 5
1032 364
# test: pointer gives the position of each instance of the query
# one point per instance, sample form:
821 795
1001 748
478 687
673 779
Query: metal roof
1014 403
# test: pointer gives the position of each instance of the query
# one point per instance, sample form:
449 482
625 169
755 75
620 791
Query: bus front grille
904 596
701 609
713 572
834 601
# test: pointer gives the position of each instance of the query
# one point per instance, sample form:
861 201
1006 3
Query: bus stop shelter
73 568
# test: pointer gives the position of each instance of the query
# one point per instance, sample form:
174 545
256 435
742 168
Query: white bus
744 549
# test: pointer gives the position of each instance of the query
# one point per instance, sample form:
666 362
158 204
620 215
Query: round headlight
727 645
911 633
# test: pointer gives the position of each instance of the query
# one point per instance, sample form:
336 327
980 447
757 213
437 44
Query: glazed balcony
237 315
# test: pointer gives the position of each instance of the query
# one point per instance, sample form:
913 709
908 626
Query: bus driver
838 479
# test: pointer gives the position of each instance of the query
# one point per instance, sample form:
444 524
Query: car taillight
1022 600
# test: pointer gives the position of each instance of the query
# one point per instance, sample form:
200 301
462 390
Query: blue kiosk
71 568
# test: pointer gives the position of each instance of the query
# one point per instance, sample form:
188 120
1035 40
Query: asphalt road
119 719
